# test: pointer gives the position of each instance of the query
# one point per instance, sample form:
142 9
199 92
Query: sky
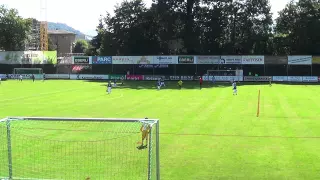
82 15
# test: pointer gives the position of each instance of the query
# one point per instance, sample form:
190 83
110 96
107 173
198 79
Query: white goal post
77 148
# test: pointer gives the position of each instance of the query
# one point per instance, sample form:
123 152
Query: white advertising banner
122 60
57 76
280 78
165 59
310 78
230 60
253 60
142 59
223 78
88 76
25 76
3 76
300 60
207 60
295 78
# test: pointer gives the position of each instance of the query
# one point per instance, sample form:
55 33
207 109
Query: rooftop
59 32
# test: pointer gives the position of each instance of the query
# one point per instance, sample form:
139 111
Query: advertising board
207 59
280 78
295 78
101 59
299 60
253 60
165 59
88 77
230 60
256 78
309 79
57 76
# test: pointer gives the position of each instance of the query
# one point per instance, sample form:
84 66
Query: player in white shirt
234 86
162 82
0 80
20 77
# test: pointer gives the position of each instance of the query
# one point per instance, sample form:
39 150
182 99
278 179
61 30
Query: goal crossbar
80 119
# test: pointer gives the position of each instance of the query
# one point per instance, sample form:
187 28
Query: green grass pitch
204 134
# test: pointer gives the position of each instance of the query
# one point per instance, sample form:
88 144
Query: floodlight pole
9 148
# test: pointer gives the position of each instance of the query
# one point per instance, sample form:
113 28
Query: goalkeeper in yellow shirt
145 129
180 84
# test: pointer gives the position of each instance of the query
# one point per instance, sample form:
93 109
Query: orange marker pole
258 110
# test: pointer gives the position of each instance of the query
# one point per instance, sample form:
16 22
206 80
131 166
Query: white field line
40 94
20 178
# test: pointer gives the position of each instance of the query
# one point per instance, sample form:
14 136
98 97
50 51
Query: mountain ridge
63 26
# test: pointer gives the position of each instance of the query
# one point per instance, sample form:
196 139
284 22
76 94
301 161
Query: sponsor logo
186 60
153 78
134 77
310 79
57 76
230 60
295 78
252 59
256 78
122 60
299 59
280 78
143 60
208 59
174 77
81 60
187 78
165 60
102 60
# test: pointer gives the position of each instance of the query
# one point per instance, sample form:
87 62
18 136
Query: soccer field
204 134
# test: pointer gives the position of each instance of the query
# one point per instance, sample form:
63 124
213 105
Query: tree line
204 27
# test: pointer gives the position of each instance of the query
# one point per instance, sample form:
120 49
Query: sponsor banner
3 76
25 76
150 66
142 59
319 78
207 60
174 78
230 60
280 78
310 79
135 77
122 60
186 59
252 60
276 59
187 78
300 60
153 78
165 59
57 76
88 76
316 60
223 78
101 59
28 57
295 78
256 78
117 77
82 59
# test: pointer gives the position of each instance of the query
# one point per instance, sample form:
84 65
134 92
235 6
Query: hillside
62 26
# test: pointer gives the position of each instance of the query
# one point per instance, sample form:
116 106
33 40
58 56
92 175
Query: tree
51 45
298 27
14 30
81 46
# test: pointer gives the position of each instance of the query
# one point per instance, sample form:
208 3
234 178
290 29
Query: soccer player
122 78
180 84
145 129
44 77
32 77
234 85
213 79
270 83
109 87
115 83
20 77
200 82
162 82
159 84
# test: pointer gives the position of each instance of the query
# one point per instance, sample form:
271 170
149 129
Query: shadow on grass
173 85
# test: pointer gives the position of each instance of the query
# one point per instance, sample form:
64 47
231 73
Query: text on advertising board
186 60
101 60
81 60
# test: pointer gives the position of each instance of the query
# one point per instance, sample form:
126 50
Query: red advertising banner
135 77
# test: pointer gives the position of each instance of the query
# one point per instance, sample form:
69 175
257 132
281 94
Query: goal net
77 148
27 71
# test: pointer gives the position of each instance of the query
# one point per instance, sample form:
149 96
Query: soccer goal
78 148
27 71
